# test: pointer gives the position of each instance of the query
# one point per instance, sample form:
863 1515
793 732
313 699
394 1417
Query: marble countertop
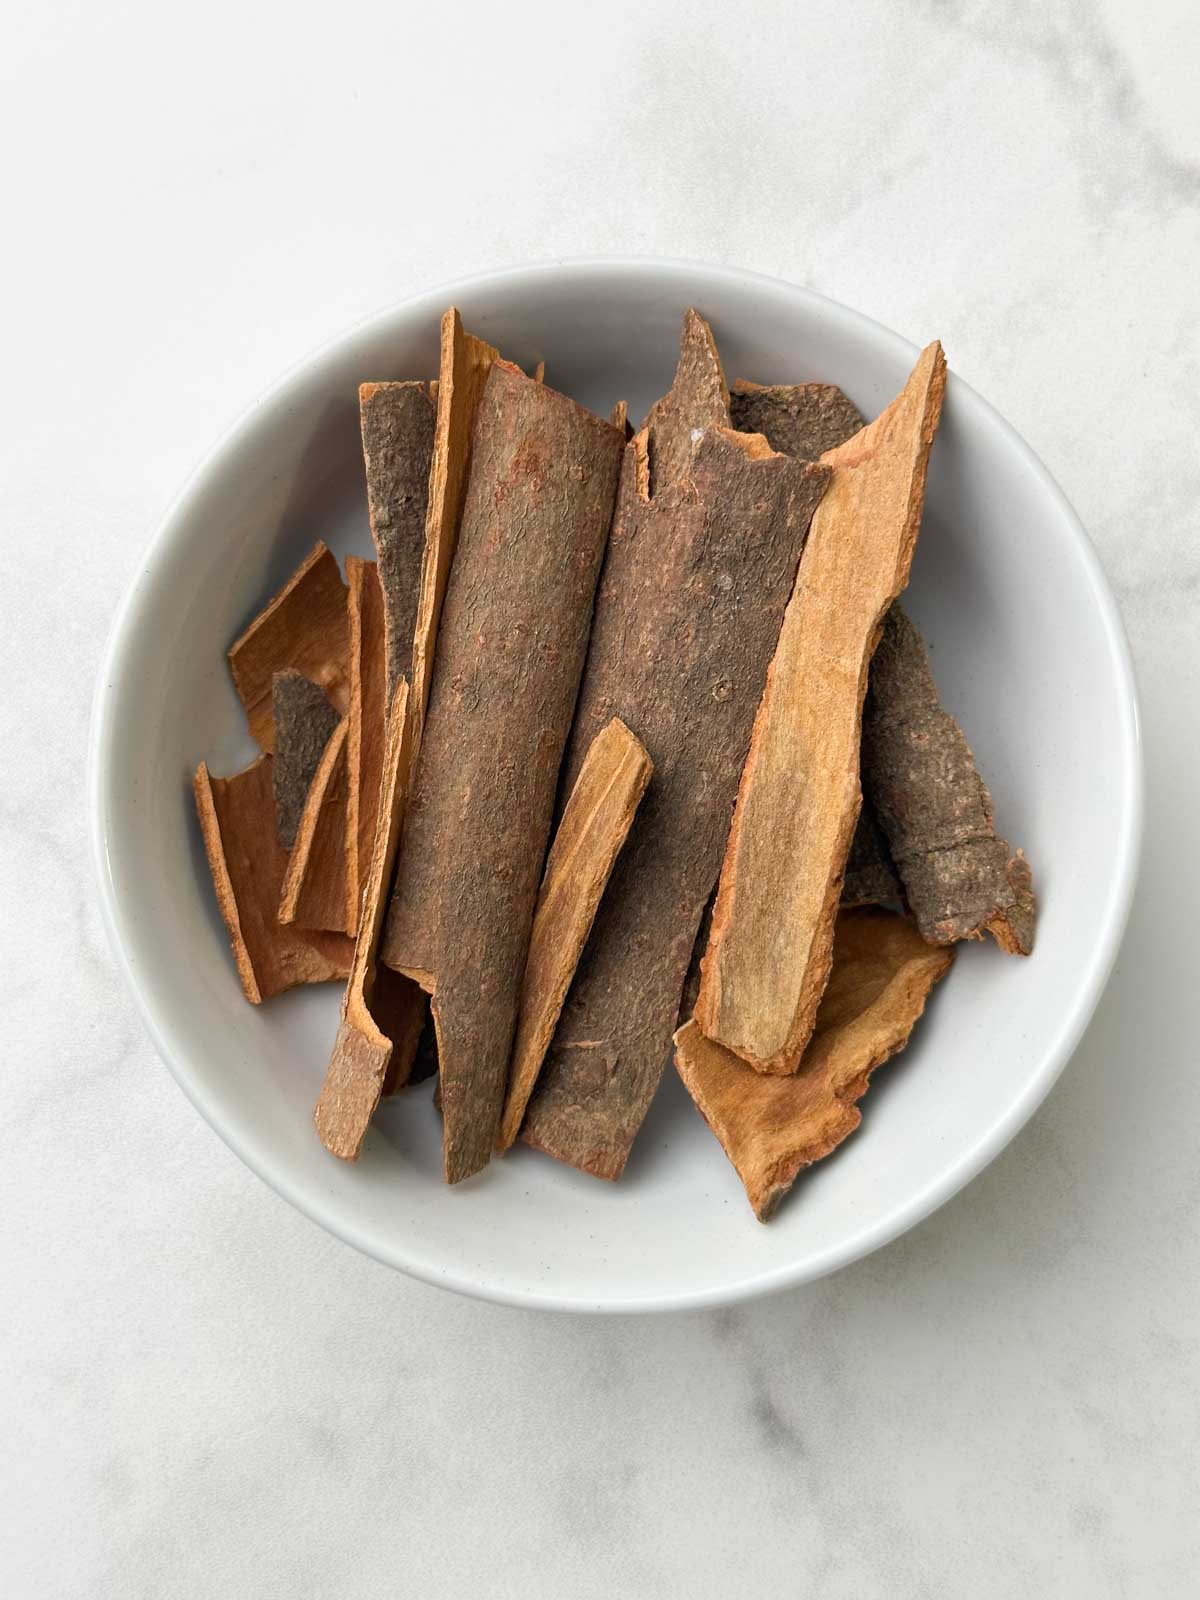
203 1394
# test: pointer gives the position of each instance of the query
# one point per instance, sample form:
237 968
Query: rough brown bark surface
314 886
397 432
697 399
797 419
247 862
772 933
304 724
511 645
304 626
594 825
960 879
773 1127
870 873
688 613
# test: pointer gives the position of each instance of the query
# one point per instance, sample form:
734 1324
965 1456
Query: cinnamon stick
303 626
464 364
960 878
314 885
367 721
510 651
688 612
370 1026
397 432
773 1127
772 934
247 862
304 722
593 827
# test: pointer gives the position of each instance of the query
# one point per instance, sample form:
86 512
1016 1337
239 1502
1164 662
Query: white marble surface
202 1394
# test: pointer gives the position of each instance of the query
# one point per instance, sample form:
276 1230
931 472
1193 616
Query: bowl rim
189 1075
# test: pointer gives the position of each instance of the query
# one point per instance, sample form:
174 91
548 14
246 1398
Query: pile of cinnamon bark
623 748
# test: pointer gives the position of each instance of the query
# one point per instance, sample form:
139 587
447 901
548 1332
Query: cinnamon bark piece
397 432
798 801
697 399
303 626
797 419
314 885
870 872
619 417
510 652
960 879
463 368
688 613
247 862
367 722
304 723
593 827
772 1127
370 1024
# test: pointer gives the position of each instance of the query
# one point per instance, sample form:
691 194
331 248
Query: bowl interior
1028 654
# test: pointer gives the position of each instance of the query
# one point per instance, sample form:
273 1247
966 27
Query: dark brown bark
688 614
511 645
304 723
870 874
960 879
397 433
797 419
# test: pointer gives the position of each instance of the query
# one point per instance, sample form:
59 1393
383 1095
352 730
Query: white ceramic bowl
1029 653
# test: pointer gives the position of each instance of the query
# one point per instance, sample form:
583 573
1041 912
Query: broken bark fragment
367 721
371 1026
303 626
398 422
797 419
247 862
687 615
510 651
304 724
697 399
772 1127
772 935
314 885
593 827
870 873
960 879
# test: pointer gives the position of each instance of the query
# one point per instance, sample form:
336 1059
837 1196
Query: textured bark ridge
247 862
371 1025
314 885
870 872
960 879
397 432
769 954
304 626
688 613
511 646
367 721
697 399
797 419
594 825
304 724
772 1127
